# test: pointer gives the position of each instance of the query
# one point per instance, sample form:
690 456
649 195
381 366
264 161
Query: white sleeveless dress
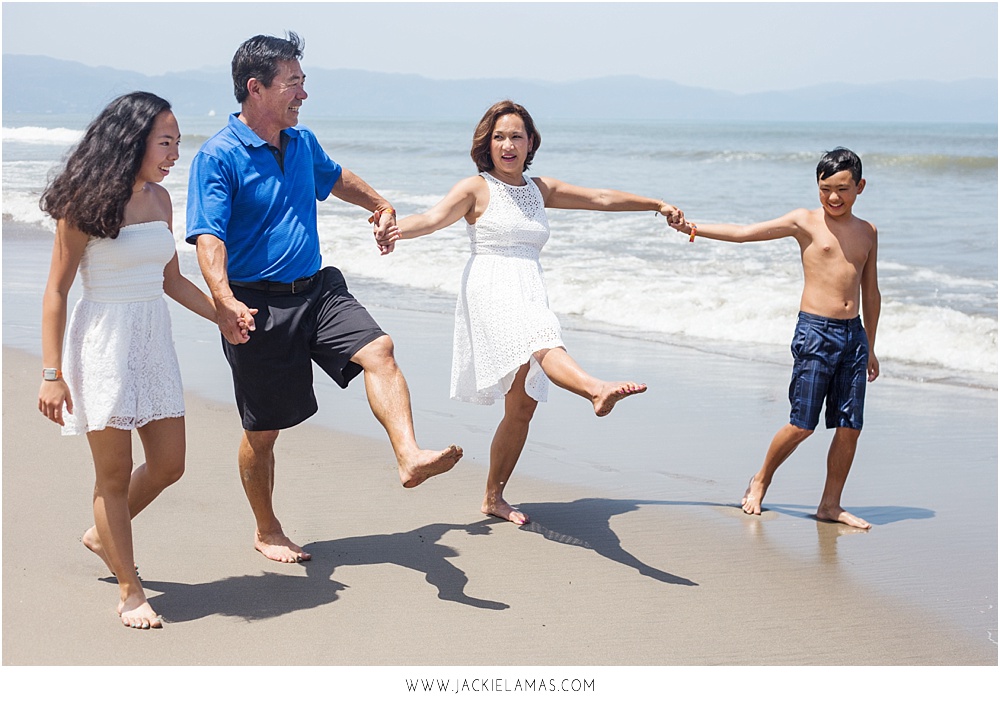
119 360
502 316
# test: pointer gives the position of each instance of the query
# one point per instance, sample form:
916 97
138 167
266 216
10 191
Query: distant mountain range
40 85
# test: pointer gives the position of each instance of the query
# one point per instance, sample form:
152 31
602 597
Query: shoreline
419 301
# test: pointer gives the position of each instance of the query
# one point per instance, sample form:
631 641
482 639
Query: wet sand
637 556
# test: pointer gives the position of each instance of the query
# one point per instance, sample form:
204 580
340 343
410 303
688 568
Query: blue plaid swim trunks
831 365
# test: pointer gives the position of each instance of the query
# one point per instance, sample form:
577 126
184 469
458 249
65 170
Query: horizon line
225 69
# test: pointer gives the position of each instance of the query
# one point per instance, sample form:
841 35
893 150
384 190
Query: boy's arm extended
788 225
871 304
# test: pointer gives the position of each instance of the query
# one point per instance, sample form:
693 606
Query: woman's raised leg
563 370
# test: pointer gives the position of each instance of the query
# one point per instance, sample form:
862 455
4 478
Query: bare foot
427 463
838 514
611 393
753 497
277 547
92 542
137 613
505 511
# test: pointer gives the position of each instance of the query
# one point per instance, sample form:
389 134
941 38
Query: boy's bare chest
840 249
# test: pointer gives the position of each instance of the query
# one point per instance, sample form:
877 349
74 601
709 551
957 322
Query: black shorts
272 373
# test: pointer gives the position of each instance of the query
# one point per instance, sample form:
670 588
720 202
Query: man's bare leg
563 370
389 398
785 441
256 459
508 442
112 452
838 465
164 445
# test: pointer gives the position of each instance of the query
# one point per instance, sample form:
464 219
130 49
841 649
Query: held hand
235 320
387 244
51 398
672 214
683 226
247 324
383 224
873 369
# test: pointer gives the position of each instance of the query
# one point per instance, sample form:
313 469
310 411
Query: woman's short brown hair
484 133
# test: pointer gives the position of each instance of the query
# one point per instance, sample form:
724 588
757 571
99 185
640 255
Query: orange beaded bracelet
390 210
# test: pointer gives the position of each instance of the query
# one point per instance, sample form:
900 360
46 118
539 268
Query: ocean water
932 193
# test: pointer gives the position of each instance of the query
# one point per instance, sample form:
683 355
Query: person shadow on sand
254 597
417 549
587 523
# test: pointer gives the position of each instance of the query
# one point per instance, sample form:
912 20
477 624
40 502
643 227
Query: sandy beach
637 555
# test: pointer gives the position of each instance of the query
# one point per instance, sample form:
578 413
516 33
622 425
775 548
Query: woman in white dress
508 343
119 370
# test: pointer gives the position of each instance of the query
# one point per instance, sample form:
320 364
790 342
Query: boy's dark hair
837 160
258 57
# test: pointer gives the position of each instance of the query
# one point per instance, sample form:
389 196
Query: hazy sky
743 47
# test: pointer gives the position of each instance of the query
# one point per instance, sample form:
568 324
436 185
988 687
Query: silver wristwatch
51 374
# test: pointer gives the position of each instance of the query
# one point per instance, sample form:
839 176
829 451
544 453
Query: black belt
297 286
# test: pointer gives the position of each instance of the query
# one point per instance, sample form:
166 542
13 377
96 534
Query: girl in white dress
119 371
508 343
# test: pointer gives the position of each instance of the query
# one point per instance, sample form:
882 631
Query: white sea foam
936 278
42 135
937 336
23 207
736 298
26 176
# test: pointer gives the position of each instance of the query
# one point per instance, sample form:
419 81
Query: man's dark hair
837 160
258 57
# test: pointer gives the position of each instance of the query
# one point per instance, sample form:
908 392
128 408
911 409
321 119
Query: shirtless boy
833 350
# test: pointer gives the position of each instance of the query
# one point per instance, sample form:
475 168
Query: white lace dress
502 316
119 360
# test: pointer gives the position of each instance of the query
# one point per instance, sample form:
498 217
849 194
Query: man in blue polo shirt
252 215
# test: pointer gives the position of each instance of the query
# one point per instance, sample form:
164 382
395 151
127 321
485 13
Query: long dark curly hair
95 185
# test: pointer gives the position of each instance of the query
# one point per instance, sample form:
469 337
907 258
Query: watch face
50 374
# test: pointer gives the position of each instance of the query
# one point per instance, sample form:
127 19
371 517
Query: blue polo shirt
267 217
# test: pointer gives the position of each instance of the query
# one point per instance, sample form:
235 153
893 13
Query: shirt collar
248 136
